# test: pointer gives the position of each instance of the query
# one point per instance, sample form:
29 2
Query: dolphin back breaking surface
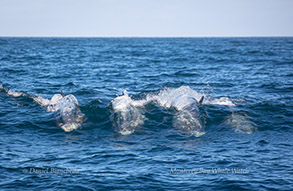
126 116
66 108
187 118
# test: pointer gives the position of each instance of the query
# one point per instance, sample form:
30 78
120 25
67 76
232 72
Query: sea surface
243 140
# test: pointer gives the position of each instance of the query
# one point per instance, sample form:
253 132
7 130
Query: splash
126 116
187 117
66 108
176 97
11 92
221 101
15 94
41 101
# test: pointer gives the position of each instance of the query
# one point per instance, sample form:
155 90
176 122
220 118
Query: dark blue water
246 146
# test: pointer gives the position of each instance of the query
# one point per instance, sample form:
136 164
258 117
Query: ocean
146 113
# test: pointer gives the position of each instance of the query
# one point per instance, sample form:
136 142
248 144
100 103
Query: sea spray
126 116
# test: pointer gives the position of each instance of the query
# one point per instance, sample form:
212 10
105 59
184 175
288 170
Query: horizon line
252 36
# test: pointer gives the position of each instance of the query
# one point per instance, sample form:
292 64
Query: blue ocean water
246 115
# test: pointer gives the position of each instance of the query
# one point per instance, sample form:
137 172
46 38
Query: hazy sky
146 18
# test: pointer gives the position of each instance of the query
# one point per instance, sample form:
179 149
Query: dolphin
66 108
67 111
126 117
187 119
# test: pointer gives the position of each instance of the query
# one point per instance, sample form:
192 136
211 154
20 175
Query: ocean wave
187 117
128 114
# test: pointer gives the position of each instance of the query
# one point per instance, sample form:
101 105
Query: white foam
220 101
41 101
126 117
198 134
57 98
57 102
66 108
67 111
125 131
121 103
68 127
15 94
177 97
184 99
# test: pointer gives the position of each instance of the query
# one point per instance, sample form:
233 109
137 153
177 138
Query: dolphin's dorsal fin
201 100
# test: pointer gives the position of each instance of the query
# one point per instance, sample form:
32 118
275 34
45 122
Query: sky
146 18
